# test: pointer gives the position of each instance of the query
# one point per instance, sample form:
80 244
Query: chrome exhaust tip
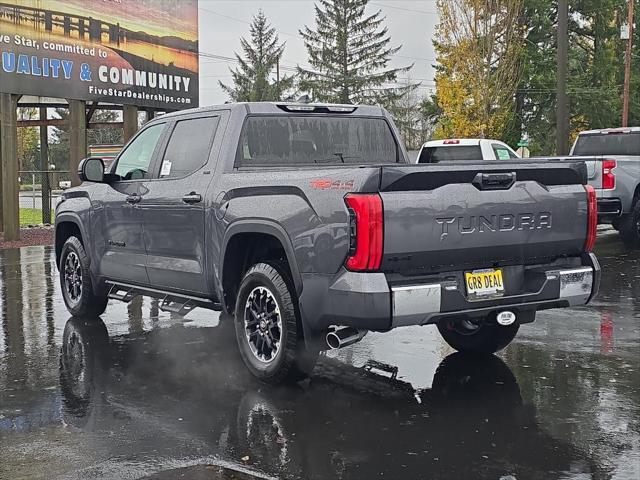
344 336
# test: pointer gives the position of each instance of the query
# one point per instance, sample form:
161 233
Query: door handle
192 197
134 198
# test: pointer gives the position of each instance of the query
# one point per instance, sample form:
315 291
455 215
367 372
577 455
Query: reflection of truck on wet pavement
163 390
239 208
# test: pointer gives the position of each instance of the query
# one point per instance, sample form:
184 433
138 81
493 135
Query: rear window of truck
626 144
310 140
450 153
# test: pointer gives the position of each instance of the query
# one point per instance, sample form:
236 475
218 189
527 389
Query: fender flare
269 228
71 217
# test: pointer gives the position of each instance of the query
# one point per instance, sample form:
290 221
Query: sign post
523 148
9 154
77 138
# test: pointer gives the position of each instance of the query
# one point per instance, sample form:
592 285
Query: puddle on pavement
143 393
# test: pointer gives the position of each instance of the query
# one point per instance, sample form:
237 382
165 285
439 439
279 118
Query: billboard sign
140 52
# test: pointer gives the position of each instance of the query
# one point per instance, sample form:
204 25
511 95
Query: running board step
124 295
171 302
179 306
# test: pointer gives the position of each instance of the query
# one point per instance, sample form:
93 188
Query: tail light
608 177
366 227
592 218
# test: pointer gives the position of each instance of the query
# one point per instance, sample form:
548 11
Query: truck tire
630 227
616 223
75 281
481 337
268 327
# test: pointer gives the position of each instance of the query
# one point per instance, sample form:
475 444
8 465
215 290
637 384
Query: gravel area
30 237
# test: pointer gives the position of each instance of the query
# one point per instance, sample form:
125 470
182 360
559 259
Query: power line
223 58
599 9
395 7
246 22
297 36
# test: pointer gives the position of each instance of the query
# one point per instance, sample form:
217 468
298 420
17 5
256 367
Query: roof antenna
304 99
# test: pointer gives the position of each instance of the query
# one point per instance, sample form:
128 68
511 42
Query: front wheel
75 280
268 328
477 336
630 227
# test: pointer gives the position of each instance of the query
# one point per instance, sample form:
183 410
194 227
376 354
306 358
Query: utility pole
627 68
278 78
562 109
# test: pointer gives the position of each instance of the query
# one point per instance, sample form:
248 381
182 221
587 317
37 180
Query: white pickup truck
612 156
465 149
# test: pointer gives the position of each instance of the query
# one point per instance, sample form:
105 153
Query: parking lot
148 393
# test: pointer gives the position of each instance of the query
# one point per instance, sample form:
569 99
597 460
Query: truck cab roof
611 131
453 142
290 107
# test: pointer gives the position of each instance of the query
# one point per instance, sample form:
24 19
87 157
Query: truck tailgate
441 218
592 163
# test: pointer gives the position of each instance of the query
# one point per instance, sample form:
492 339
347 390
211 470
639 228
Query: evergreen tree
349 55
596 70
252 80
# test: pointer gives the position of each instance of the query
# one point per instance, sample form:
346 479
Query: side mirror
91 170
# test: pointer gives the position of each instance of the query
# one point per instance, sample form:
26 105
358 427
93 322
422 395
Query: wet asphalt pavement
151 394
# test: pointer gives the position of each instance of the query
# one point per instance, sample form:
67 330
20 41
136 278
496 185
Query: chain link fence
38 193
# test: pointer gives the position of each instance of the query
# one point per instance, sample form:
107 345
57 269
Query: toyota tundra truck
309 225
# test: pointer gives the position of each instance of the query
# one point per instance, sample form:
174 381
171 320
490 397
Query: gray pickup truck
309 225
613 162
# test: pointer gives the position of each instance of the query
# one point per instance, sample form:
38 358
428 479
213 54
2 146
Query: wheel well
63 231
243 251
636 195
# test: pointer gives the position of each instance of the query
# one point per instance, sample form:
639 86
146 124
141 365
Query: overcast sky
411 23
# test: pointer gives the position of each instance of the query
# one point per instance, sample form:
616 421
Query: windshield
450 153
627 144
309 140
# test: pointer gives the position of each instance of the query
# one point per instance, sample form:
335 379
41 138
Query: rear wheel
477 336
78 290
616 223
630 227
268 328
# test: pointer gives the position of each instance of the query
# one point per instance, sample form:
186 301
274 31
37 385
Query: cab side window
501 152
134 162
189 146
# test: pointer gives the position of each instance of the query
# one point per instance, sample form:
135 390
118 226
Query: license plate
487 282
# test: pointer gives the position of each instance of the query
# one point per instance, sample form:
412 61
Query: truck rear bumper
608 209
367 301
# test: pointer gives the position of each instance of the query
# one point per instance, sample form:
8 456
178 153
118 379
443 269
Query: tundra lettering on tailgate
494 223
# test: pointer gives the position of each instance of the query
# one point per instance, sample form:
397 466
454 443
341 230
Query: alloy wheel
73 277
263 324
